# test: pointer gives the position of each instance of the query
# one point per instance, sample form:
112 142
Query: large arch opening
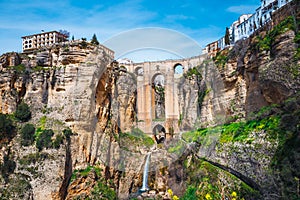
158 97
159 133
178 69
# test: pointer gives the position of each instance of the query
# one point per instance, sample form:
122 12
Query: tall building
44 39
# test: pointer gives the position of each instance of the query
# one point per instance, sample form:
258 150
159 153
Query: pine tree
227 37
94 40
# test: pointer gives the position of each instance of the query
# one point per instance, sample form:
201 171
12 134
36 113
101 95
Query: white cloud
242 9
177 17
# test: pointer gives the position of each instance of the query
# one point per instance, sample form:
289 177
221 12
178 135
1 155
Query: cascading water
145 175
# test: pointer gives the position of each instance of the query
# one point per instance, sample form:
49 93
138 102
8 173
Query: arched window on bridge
139 71
178 69
158 97
159 133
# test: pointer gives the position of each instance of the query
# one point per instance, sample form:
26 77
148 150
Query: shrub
44 139
19 69
58 141
190 193
27 134
6 127
23 112
67 133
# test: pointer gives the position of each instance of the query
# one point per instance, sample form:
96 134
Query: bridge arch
139 71
158 96
178 68
158 79
159 133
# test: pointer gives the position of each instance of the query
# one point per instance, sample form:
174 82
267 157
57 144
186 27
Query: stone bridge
157 93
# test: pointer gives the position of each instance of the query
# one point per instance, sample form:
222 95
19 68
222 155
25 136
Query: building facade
247 24
44 39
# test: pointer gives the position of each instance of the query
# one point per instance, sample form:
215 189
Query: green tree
227 36
27 134
67 133
6 127
44 139
58 141
23 112
94 40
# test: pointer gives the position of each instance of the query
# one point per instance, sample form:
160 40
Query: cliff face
59 86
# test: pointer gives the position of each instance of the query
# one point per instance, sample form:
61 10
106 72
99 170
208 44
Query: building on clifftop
44 39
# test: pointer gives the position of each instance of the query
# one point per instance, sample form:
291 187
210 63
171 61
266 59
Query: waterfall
145 175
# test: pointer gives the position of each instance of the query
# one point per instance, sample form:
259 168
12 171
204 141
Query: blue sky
202 21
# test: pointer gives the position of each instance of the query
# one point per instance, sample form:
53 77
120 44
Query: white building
247 24
44 39
262 15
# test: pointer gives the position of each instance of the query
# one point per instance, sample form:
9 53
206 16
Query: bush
27 134
67 133
6 127
23 112
44 139
58 141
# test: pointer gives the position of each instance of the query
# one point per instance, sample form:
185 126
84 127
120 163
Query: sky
196 20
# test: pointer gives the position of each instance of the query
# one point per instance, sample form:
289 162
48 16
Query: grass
136 137
236 131
176 148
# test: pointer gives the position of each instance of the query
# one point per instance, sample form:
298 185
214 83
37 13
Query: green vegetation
221 58
208 182
7 166
190 193
237 131
44 136
102 189
227 36
7 128
44 139
38 69
19 69
17 187
83 43
191 72
176 147
136 137
67 133
27 134
58 141
34 158
23 112
41 126
94 40
265 43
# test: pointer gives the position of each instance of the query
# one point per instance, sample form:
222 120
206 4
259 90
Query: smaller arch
139 71
158 79
178 68
159 133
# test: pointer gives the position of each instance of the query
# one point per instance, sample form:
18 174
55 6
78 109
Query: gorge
76 124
